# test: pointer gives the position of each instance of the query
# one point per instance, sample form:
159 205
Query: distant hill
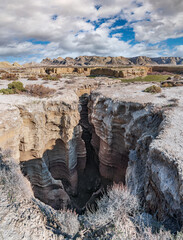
9 65
114 61
99 61
5 65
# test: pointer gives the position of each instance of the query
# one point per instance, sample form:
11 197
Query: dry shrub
9 175
167 84
177 77
120 217
70 81
114 205
2 71
45 82
39 90
33 78
58 75
41 75
51 77
24 217
9 76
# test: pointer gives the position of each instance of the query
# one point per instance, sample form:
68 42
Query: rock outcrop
121 72
43 137
85 71
24 217
70 148
138 141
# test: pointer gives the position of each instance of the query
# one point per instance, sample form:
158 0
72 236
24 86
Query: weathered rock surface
27 71
24 217
43 136
138 137
46 138
119 133
121 72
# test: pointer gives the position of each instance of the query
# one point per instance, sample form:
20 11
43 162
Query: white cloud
178 51
71 34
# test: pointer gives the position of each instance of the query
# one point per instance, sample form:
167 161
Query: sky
33 30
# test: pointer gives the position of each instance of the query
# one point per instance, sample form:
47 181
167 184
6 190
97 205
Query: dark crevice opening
91 185
90 182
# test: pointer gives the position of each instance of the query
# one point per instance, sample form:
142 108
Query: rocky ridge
112 61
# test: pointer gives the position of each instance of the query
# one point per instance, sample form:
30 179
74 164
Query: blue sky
33 30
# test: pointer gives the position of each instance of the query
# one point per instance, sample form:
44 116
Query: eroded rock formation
85 71
71 148
121 72
118 126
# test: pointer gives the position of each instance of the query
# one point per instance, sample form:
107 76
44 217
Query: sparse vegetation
119 214
167 84
9 76
41 75
153 89
39 90
92 76
17 86
148 78
70 81
52 77
33 78
177 77
13 88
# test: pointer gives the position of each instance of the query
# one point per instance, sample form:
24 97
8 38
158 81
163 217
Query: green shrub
52 78
153 89
7 91
148 78
14 87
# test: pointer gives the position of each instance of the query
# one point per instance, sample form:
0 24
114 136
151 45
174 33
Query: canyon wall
70 148
87 71
121 72
43 136
139 144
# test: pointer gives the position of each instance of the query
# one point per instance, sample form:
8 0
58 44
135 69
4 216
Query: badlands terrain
90 151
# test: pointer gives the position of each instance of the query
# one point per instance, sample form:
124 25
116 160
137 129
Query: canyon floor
60 156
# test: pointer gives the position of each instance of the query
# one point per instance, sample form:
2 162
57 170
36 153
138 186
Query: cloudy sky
32 30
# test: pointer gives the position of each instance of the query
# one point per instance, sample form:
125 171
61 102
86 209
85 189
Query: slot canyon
75 145
74 171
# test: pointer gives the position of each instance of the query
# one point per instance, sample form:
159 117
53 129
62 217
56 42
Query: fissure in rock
76 173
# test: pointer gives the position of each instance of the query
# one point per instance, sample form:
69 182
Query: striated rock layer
69 148
43 136
117 128
138 140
